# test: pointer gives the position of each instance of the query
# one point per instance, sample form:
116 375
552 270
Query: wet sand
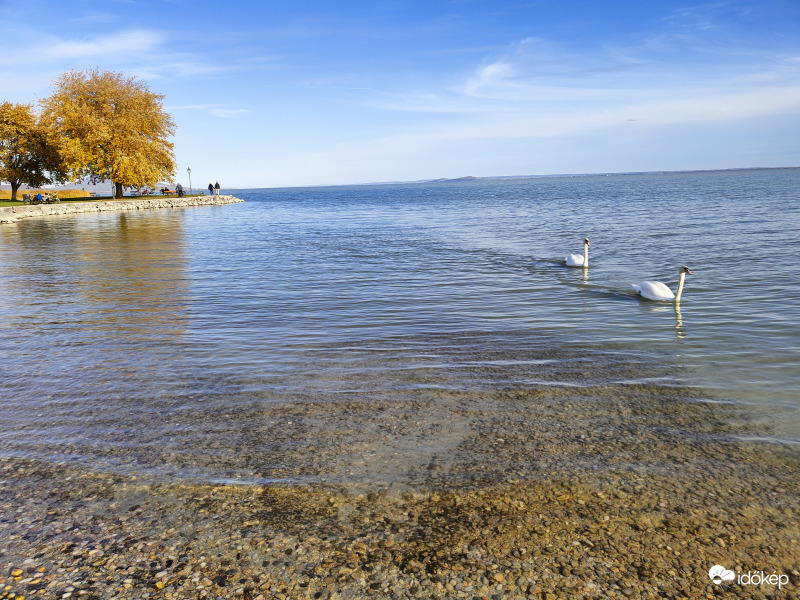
618 490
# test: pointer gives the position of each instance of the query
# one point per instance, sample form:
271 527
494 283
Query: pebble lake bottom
400 392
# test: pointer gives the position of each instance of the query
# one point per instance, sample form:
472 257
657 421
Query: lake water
192 343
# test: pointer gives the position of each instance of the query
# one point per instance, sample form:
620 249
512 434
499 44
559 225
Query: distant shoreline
473 178
469 178
12 214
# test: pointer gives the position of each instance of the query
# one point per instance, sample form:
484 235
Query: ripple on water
447 410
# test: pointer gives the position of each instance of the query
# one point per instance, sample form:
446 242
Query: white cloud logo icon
718 574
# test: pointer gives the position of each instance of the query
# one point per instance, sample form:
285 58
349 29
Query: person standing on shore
210 189
179 189
216 187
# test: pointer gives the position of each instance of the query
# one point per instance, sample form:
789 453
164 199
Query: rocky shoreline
12 214
69 532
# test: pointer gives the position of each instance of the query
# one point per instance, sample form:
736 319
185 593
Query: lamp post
188 170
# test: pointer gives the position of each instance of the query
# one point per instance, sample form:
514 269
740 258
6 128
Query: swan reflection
680 333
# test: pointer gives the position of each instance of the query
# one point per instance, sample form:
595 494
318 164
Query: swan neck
680 287
586 255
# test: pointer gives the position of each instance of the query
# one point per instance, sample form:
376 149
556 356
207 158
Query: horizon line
498 177
453 179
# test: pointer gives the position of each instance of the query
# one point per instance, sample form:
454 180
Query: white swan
655 290
576 260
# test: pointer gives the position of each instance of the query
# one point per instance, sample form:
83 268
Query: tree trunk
117 190
14 187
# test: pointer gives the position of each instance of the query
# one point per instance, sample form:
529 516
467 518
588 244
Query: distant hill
458 179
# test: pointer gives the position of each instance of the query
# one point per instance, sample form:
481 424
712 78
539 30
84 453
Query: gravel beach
545 493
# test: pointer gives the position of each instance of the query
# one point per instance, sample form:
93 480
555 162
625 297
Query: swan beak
687 271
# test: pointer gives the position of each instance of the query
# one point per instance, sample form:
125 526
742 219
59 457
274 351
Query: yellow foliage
111 128
17 119
26 155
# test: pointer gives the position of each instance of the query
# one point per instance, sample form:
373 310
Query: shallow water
317 333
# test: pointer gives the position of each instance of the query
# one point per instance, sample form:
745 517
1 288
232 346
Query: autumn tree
27 150
111 128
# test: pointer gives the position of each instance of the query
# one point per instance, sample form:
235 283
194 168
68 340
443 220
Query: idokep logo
720 575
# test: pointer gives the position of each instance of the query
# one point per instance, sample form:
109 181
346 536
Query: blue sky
269 94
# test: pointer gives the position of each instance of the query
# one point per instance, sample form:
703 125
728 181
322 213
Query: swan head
585 241
686 270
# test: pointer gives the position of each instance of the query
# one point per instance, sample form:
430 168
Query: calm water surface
154 341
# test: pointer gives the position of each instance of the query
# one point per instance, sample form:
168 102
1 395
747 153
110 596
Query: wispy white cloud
215 110
704 16
703 110
48 48
95 18
165 65
175 107
535 77
227 113
489 76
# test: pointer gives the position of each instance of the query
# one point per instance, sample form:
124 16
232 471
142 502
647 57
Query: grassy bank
6 194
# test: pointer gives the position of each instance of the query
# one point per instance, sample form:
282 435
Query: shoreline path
12 214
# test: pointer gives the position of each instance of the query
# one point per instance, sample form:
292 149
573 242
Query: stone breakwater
12 214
